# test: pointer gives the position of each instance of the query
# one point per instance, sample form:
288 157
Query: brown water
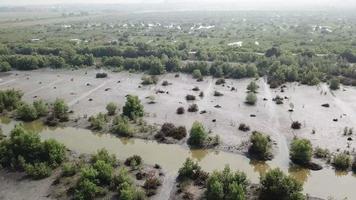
322 183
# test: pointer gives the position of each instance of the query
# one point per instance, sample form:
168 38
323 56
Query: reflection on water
321 183
299 173
260 166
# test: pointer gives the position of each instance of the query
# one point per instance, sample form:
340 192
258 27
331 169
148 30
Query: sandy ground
272 119
11 183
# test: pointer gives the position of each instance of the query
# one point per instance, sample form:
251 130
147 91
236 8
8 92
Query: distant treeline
279 66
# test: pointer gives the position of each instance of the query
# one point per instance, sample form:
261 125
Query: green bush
252 87
133 107
105 171
251 98
198 135
60 110
341 161
41 108
86 189
278 186
111 108
226 185
10 99
133 161
121 126
104 155
26 112
301 151
321 153
197 74
98 122
189 170
4 66
334 84
69 169
149 80
260 146
38 170
24 149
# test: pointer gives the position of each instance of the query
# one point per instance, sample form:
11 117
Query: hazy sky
245 3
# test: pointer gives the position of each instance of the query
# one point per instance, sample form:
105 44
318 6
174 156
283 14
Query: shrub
133 107
38 170
218 94
252 87
220 81
190 97
133 161
180 111
169 130
276 185
197 74
301 151
226 184
296 125
321 153
10 99
104 170
26 112
60 110
69 169
278 100
334 84
101 75
251 98
122 177
86 189
196 88
24 149
198 135
260 146
165 83
152 183
111 108
104 155
4 66
189 170
341 161
41 108
193 108
122 127
244 127
98 122
149 80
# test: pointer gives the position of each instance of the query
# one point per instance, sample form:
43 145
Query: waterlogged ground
77 87
322 183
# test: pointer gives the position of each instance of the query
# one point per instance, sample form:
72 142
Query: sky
243 3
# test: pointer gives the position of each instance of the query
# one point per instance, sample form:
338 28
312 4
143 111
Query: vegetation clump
321 153
278 186
170 130
111 108
190 97
341 161
198 135
261 146
193 108
251 99
252 87
149 80
101 75
133 107
218 94
10 99
226 185
192 171
134 161
98 122
59 113
244 127
121 126
180 110
301 151
296 125
24 150
278 99
220 81
334 84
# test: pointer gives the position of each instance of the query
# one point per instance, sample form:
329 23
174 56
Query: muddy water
322 183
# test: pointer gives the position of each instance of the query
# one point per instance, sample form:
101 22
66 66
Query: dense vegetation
24 150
